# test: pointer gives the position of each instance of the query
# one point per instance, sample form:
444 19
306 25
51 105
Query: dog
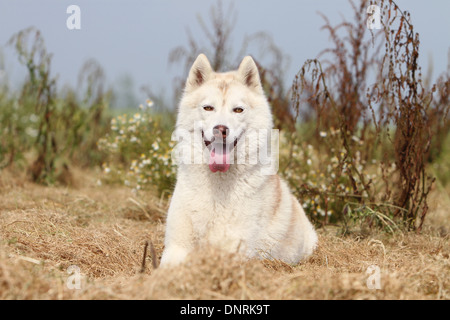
223 196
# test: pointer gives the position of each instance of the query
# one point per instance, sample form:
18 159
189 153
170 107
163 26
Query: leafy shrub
55 130
383 131
139 149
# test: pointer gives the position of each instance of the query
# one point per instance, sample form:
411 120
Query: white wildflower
31 132
34 118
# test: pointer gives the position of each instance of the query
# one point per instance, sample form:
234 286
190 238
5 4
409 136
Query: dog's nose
220 132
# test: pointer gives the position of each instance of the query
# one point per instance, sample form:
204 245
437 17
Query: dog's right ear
200 73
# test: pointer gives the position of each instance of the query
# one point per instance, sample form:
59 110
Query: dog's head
223 108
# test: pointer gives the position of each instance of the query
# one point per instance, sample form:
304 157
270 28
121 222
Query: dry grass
102 230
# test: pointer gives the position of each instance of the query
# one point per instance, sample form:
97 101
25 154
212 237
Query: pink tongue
219 162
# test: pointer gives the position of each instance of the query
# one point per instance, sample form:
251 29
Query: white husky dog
222 198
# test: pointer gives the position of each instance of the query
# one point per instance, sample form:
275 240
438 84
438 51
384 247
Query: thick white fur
242 210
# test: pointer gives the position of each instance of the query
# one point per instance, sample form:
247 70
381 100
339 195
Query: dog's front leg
173 255
179 237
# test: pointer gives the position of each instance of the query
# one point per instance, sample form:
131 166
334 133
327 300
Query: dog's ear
200 73
249 74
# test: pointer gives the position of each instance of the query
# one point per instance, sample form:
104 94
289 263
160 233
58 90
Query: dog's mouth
220 150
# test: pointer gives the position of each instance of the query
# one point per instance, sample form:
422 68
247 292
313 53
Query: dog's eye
238 110
208 108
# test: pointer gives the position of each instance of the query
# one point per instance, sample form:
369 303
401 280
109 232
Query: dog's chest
224 210
222 221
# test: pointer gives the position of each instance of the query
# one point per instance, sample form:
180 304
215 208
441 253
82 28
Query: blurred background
133 40
363 114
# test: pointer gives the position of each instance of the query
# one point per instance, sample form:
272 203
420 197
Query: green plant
380 134
54 129
139 150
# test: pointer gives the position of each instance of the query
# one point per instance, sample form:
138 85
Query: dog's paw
172 256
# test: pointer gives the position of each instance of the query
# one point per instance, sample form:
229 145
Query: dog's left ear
249 74
200 73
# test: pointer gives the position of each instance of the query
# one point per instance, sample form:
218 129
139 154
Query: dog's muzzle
220 150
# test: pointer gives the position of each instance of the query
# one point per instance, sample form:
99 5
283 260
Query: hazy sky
134 37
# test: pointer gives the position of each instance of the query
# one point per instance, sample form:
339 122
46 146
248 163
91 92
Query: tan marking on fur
276 207
249 79
295 214
226 81
227 76
223 85
199 79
